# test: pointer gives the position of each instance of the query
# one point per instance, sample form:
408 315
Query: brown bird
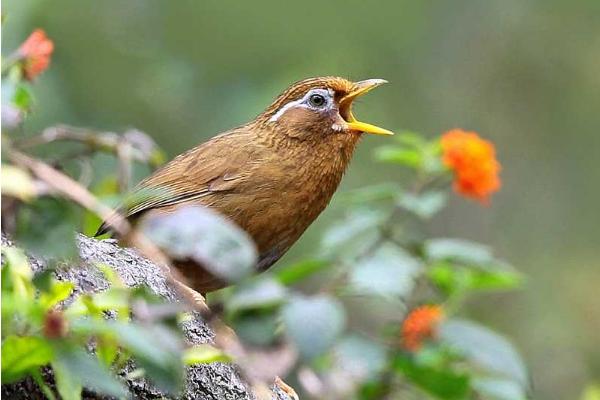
272 176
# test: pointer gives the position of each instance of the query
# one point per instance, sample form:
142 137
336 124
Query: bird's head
320 106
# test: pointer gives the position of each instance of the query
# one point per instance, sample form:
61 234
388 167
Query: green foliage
453 278
206 237
485 349
414 152
44 220
257 294
327 319
365 359
389 272
75 368
204 354
424 205
35 334
22 354
438 380
356 230
295 273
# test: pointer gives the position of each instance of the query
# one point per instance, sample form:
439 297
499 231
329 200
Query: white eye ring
317 100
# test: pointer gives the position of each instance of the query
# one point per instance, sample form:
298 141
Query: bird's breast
282 197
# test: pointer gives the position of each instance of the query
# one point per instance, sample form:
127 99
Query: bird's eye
317 100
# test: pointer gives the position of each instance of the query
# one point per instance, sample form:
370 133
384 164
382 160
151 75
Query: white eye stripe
303 102
286 107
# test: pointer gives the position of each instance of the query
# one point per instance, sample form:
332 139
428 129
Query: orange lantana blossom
473 161
36 52
421 324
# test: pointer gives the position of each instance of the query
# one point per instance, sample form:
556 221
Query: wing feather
217 165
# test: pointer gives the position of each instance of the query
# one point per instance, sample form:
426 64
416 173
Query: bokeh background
523 73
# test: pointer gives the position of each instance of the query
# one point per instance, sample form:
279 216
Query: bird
272 176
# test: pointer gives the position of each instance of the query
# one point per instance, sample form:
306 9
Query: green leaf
424 205
156 348
107 349
76 367
157 351
485 349
257 329
17 262
22 97
69 385
204 354
48 392
441 382
388 272
498 389
262 292
313 323
452 278
432 160
20 355
412 158
47 227
17 182
90 223
58 292
82 306
362 358
354 230
457 250
111 275
411 139
44 280
203 235
115 298
296 272
20 274
414 152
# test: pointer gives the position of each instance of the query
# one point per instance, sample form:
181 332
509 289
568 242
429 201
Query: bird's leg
287 389
225 336
194 298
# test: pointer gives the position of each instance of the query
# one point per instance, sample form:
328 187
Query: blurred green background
523 73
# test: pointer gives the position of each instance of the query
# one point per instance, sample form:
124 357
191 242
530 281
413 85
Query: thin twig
124 155
100 141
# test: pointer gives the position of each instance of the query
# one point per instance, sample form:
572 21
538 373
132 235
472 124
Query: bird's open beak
352 123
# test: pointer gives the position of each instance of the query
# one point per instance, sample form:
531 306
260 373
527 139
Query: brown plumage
272 176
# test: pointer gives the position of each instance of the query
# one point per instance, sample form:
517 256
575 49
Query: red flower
36 52
419 325
474 163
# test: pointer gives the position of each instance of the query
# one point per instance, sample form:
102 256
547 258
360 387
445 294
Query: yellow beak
352 123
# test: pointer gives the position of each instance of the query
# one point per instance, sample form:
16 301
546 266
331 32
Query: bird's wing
214 166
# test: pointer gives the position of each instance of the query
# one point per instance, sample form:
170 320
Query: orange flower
474 163
36 52
420 325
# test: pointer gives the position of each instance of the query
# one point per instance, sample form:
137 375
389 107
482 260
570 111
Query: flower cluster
36 52
420 325
473 161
